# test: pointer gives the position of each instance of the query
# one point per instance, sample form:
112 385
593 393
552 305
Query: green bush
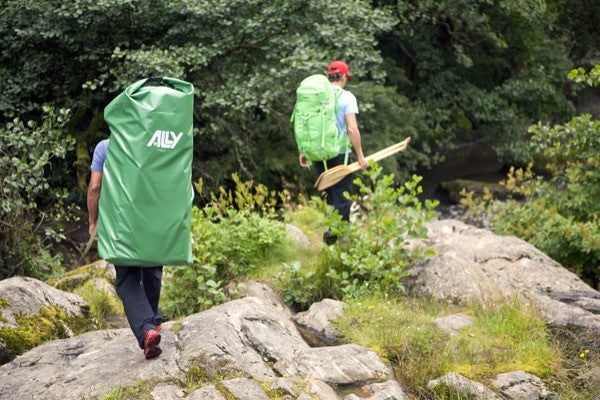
372 253
31 210
559 215
228 243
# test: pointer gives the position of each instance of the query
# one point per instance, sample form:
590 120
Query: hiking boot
159 327
151 341
329 238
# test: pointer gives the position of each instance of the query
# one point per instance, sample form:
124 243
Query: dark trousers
139 290
335 193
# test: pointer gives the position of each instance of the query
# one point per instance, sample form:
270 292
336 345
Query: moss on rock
4 303
50 323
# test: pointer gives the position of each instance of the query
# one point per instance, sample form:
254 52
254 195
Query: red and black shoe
151 341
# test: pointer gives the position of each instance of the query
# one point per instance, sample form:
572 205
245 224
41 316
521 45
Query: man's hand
303 161
92 229
363 162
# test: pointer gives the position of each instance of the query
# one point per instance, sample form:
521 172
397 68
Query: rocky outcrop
520 385
248 337
296 235
315 324
27 296
32 312
452 324
463 387
389 390
474 264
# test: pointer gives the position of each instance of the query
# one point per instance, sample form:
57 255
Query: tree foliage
31 211
245 58
482 69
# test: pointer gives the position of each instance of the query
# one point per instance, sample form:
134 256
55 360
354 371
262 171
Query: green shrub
31 210
371 254
559 215
229 242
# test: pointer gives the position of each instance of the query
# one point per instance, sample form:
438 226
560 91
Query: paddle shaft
381 154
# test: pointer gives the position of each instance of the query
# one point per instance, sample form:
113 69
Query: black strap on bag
159 80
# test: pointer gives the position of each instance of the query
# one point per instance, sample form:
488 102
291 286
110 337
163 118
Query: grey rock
244 389
589 304
89 365
247 335
390 390
296 235
452 324
285 385
265 292
102 285
240 335
464 387
27 296
206 393
337 365
304 396
321 390
167 392
474 264
522 386
315 324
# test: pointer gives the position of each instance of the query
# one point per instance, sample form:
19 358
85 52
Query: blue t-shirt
99 156
346 105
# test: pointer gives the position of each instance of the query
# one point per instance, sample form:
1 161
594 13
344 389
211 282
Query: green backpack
314 120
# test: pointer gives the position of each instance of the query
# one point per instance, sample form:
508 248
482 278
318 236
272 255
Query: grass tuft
503 338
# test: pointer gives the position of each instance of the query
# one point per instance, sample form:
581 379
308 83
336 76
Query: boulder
347 364
297 236
520 385
248 337
265 292
27 296
244 389
286 386
206 393
90 365
167 392
463 387
322 391
315 324
389 390
474 264
241 335
452 324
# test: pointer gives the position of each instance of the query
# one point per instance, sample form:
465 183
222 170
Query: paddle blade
332 176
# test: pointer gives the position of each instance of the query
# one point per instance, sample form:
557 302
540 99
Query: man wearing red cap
338 74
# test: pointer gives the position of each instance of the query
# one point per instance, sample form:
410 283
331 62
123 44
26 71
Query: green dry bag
146 196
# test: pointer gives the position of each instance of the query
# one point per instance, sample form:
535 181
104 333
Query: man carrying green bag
140 196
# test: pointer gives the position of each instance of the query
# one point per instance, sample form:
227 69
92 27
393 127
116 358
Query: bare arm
93 196
354 135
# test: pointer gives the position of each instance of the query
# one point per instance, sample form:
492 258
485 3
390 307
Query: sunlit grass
503 338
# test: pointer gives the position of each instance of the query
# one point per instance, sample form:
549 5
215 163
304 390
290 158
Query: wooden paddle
336 174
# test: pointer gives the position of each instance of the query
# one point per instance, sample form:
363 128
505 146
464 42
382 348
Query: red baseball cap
339 66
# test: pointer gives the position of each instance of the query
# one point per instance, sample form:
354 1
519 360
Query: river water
474 161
